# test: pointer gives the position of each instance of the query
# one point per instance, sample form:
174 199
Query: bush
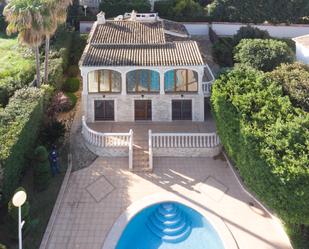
263 55
77 48
52 132
55 71
71 85
165 8
113 8
2 246
73 71
13 217
249 32
20 122
222 52
41 170
267 138
295 81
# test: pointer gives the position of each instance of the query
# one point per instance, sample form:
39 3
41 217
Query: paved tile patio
97 195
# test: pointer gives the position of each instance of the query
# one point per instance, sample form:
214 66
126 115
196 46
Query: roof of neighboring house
303 40
127 32
140 43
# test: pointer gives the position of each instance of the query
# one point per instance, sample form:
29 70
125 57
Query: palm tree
24 17
55 14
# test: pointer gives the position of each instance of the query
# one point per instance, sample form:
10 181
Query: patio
97 195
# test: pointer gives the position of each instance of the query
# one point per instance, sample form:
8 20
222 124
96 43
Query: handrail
185 140
206 85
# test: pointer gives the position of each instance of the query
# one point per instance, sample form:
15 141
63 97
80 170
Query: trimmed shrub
13 217
20 122
263 55
222 52
73 71
295 81
267 138
71 85
249 32
41 169
77 48
52 132
55 71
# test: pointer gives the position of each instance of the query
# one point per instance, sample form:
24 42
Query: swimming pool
169 225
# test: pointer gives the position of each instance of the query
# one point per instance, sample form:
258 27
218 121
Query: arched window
181 80
143 80
104 81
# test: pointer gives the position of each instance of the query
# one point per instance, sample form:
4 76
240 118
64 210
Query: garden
260 104
34 118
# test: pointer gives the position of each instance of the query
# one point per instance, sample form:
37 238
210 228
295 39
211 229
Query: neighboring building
90 3
302 48
141 67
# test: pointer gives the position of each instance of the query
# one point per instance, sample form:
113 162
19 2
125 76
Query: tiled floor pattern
98 194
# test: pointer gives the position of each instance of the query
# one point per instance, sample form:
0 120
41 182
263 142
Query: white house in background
302 48
141 67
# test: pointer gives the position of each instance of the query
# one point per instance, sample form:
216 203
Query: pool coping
122 221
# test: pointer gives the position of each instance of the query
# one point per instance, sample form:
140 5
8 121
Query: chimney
101 18
133 16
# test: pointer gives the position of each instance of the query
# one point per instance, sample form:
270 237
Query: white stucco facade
302 53
161 103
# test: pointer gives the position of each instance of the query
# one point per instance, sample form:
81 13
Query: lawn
14 57
17 67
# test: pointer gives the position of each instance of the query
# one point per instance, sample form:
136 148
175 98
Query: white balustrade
184 140
206 85
100 139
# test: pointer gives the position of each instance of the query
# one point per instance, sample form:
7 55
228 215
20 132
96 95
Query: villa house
140 67
302 48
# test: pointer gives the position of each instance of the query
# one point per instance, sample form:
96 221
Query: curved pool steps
169 223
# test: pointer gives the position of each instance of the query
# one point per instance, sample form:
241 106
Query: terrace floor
97 195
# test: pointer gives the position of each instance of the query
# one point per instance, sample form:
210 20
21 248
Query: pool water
169 225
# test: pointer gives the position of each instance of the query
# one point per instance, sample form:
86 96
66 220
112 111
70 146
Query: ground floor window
142 110
181 109
104 110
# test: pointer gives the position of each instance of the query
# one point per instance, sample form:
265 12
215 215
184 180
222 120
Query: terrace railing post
131 150
150 149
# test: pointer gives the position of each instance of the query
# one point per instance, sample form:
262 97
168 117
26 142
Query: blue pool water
169 225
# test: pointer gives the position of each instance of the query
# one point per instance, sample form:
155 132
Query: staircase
140 156
169 223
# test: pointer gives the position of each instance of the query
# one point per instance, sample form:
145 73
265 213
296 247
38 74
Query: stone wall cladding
161 105
108 151
186 152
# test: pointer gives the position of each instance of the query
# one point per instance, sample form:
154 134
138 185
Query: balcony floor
140 128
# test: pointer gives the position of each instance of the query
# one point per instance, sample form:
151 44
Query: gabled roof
138 43
168 54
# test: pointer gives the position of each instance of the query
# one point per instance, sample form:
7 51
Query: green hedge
267 138
295 81
252 11
20 123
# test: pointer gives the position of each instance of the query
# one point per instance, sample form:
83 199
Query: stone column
123 84
84 110
162 81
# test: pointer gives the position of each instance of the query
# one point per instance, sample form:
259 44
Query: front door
142 109
104 110
181 110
